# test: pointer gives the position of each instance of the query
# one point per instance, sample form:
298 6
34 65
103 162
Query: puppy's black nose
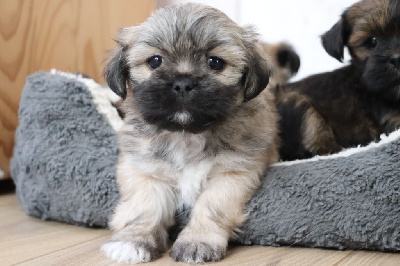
183 86
395 61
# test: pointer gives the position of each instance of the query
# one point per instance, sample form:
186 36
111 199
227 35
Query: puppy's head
371 31
285 60
188 67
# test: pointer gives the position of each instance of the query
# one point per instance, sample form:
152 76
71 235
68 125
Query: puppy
285 60
353 105
198 132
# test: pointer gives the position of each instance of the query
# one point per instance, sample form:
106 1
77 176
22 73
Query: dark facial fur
355 104
184 93
209 102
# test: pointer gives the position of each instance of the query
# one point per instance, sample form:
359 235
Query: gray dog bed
64 170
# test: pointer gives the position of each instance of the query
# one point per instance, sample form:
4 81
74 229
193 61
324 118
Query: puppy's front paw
128 252
197 252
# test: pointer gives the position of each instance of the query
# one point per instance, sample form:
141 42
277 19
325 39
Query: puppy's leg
318 137
216 213
390 121
141 219
303 131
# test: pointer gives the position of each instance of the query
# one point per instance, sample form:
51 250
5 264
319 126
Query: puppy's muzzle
183 86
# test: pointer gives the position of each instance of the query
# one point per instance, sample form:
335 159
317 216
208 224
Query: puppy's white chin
182 117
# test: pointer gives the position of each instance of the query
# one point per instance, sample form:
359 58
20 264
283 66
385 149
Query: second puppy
285 60
353 105
199 130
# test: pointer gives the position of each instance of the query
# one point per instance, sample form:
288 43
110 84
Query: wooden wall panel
69 35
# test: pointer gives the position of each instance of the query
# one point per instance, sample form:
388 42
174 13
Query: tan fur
364 17
215 171
317 135
392 117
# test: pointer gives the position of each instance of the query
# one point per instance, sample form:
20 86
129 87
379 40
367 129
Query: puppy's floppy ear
288 58
116 71
258 69
336 38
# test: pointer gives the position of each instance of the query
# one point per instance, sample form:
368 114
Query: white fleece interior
348 152
103 97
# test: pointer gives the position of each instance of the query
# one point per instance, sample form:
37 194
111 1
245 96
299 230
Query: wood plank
28 241
23 238
69 35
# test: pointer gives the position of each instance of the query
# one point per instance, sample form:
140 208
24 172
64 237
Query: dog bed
66 152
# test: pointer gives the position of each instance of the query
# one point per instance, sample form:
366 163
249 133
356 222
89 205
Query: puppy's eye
371 43
154 61
215 63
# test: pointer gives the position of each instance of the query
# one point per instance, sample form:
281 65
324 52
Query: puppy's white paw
126 252
197 252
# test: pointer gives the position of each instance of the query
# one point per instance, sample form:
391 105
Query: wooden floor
29 241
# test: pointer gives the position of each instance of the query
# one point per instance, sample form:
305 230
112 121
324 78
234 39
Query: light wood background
69 35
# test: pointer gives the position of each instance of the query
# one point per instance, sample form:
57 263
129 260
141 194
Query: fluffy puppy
198 132
355 104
